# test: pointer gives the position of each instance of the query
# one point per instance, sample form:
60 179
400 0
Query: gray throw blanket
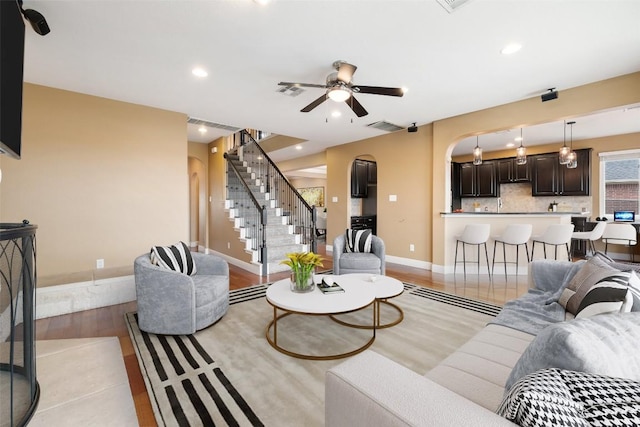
539 308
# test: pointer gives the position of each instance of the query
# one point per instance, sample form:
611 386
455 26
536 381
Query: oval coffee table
357 295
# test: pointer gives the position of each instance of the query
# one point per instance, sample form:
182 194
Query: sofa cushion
567 398
357 240
597 288
605 344
176 257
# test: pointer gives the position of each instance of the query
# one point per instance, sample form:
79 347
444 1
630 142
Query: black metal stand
18 382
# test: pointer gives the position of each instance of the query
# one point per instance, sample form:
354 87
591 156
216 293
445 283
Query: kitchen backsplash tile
517 198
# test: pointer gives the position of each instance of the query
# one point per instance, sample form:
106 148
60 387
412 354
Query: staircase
268 213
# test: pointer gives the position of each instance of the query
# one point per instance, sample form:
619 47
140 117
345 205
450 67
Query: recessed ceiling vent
290 90
451 5
208 124
385 126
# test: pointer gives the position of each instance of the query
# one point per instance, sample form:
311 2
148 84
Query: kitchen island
456 221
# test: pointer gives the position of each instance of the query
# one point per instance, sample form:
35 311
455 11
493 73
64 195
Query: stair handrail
272 166
261 209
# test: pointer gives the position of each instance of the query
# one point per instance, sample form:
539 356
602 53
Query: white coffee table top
357 294
386 287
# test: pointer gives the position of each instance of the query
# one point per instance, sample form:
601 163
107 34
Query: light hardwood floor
109 321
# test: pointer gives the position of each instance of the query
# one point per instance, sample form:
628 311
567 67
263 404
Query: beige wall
404 169
100 178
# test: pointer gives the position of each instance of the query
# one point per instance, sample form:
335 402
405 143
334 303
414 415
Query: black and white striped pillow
358 240
176 257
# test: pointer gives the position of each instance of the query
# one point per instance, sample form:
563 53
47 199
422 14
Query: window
620 182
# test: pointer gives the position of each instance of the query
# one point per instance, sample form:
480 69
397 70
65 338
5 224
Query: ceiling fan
340 88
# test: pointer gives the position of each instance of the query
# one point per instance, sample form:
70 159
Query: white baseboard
72 297
409 262
251 268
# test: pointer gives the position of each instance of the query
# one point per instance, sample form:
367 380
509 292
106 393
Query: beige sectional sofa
466 388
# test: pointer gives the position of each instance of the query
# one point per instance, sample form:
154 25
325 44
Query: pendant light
563 154
572 156
521 152
477 153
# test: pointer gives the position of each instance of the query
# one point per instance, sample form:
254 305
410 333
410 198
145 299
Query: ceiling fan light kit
340 88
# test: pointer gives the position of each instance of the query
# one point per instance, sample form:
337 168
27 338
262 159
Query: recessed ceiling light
511 48
202 129
510 144
336 114
199 72
298 147
262 2
517 139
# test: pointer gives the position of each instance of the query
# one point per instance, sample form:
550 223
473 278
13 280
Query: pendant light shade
521 152
477 153
563 154
572 156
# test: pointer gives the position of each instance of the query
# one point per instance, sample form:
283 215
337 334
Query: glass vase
302 282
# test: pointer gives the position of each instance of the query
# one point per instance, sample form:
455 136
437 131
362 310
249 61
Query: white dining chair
590 237
514 235
555 235
620 234
473 234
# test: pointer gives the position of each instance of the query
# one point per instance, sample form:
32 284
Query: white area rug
228 374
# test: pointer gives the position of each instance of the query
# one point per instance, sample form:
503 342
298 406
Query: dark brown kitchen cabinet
550 178
510 171
478 180
359 178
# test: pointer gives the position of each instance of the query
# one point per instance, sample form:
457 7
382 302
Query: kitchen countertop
516 213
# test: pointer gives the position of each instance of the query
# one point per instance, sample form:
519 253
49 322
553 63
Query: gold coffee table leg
274 342
377 324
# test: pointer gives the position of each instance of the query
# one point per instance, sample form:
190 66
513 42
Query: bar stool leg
486 256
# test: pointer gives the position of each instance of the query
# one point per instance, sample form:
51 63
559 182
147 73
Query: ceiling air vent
385 126
290 90
206 123
451 5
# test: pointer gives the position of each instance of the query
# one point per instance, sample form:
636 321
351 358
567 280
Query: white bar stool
555 235
514 235
589 237
473 234
620 234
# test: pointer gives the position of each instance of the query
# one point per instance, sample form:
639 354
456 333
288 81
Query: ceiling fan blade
302 85
356 106
345 72
315 103
377 90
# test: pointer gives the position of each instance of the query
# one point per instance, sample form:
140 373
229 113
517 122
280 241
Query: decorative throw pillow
595 289
358 240
605 345
634 289
541 399
555 397
176 257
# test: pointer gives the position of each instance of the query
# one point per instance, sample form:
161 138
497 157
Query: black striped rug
189 387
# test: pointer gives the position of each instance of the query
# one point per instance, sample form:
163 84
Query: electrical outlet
100 263
228 245
412 247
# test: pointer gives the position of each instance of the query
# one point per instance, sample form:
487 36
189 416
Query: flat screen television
624 216
11 75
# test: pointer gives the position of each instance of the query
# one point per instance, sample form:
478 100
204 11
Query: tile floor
83 382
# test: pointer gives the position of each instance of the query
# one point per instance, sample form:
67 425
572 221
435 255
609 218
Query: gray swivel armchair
172 303
358 262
